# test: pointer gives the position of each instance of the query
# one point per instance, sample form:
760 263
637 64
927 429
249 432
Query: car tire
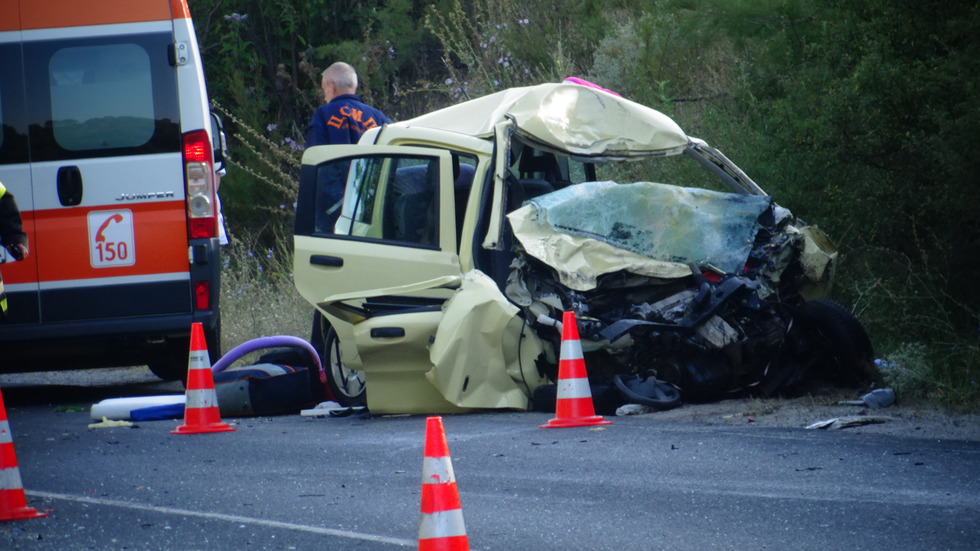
347 386
171 363
840 339
647 390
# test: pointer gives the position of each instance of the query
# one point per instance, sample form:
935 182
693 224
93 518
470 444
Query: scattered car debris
634 409
331 409
850 421
878 398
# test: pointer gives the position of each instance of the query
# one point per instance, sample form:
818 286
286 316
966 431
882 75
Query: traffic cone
441 527
573 406
201 410
13 502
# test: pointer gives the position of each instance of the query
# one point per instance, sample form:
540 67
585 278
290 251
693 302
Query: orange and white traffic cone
441 528
13 502
201 410
573 406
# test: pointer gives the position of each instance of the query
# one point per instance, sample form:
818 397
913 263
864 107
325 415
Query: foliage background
861 115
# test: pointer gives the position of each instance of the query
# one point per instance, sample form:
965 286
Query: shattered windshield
659 221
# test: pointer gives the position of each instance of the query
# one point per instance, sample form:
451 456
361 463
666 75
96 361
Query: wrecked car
465 233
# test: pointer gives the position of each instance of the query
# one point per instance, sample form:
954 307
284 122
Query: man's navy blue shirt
343 120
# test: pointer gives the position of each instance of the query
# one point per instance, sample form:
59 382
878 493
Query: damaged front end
693 287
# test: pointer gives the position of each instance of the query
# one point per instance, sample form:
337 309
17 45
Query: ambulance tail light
202 295
202 220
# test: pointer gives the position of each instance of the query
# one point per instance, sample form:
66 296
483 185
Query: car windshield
662 222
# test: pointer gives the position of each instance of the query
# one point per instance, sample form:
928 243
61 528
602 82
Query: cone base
198 429
575 422
21 513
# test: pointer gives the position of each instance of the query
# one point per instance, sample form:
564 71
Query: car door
380 263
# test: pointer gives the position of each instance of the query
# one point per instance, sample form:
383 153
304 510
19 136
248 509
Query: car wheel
347 386
649 391
839 340
171 363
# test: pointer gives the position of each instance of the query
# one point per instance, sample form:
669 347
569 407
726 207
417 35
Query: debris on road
878 398
850 421
107 424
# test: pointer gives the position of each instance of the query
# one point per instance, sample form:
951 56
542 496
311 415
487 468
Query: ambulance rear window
101 97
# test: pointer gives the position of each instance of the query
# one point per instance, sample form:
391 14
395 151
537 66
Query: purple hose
270 342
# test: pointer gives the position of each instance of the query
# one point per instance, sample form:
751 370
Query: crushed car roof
569 117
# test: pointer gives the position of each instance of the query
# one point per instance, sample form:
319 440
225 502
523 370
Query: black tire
171 363
649 391
348 387
840 341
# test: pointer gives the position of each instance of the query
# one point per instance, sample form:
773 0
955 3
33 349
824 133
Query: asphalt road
289 482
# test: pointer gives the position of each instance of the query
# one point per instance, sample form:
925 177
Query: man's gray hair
342 75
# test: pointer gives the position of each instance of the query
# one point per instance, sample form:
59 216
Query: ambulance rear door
107 172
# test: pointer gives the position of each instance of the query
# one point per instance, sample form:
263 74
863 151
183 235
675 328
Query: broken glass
659 221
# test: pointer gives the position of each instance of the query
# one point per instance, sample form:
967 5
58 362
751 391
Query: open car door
394 229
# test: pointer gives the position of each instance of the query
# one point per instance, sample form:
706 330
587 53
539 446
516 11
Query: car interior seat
413 216
537 174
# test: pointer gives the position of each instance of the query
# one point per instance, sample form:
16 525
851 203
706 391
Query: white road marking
229 518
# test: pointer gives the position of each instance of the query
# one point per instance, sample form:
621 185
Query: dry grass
258 298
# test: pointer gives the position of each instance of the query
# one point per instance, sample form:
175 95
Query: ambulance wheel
346 385
171 363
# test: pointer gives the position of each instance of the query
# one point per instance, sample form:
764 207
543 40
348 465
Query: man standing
343 117
341 120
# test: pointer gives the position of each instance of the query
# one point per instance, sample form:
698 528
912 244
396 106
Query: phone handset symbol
117 218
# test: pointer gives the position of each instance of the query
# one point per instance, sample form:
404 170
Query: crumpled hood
646 228
568 117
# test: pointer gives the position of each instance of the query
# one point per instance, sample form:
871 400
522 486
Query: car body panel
567 117
483 355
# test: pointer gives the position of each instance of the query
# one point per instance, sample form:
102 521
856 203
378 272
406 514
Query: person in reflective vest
12 236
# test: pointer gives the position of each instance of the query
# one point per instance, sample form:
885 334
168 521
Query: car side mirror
219 142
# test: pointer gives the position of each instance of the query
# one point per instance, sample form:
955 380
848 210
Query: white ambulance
107 148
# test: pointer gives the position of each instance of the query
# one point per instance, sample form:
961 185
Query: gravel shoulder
912 421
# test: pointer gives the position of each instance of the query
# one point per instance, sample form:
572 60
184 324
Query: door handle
387 332
330 261
70 186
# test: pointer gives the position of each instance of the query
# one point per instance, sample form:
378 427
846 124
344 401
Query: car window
101 96
677 170
388 197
